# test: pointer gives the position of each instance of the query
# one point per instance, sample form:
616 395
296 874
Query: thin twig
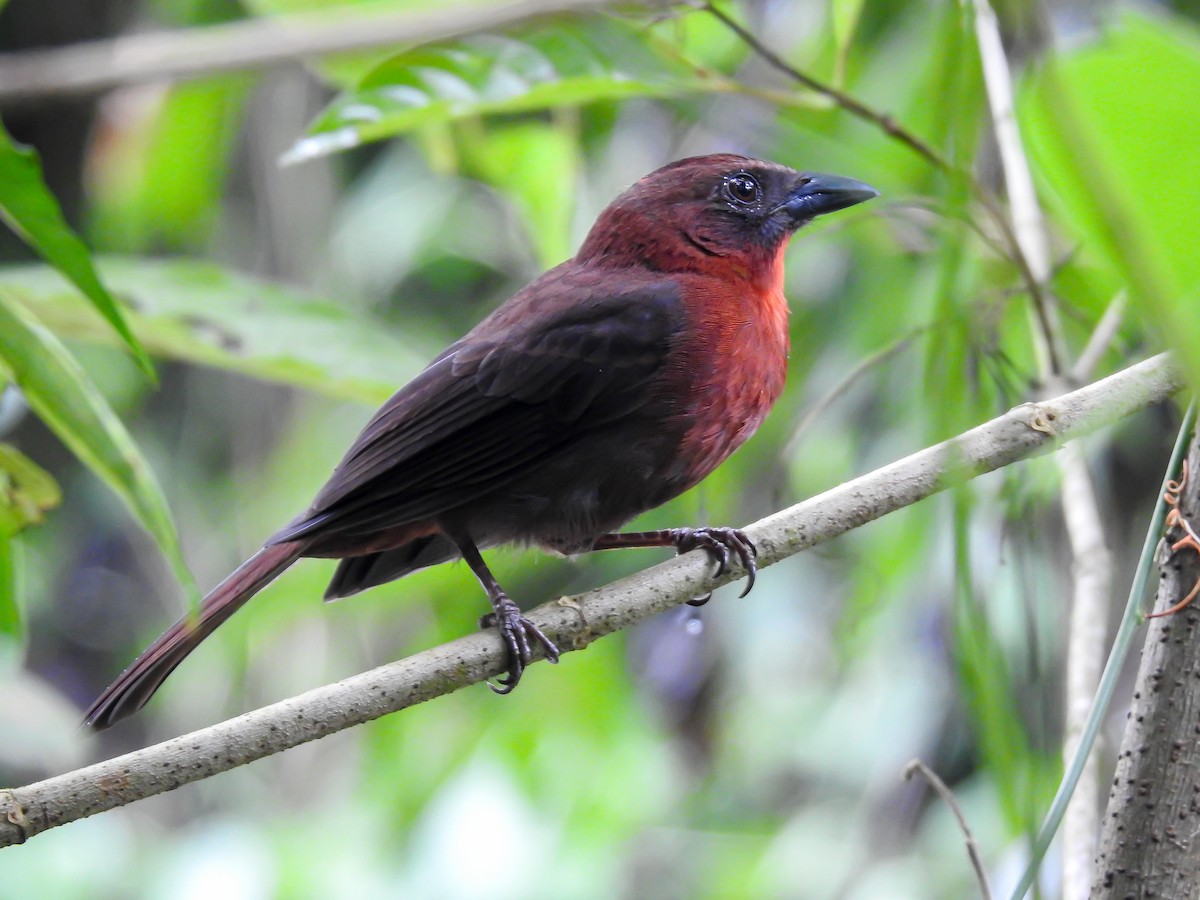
250 44
845 383
916 766
1028 227
1101 339
994 242
814 412
846 101
1013 249
573 623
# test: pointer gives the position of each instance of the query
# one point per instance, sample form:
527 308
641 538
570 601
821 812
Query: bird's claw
515 631
721 544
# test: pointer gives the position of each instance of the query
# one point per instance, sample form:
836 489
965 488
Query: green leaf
65 399
1114 130
200 313
547 67
157 183
26 491
535 164
31 211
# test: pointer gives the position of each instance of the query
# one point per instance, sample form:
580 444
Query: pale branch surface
1150 842
575 622
1091 576
250 44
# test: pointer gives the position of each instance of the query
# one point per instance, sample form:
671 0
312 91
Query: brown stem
917 767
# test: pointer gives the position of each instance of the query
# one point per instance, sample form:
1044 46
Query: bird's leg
515 629
721 544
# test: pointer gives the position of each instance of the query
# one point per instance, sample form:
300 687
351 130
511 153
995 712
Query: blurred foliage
62 395
27 491
555 66
29 209
257 329
1123 172
753 748
157 167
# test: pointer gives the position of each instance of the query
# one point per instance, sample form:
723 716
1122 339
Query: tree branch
573 623
249 44
1150 846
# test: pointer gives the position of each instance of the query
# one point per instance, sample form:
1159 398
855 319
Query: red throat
735 362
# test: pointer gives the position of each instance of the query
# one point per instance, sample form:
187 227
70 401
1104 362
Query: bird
610 384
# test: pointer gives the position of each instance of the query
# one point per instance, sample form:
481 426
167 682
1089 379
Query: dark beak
816 194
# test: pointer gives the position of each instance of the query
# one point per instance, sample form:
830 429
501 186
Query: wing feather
527 381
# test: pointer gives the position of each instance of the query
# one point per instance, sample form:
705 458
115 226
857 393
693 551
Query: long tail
137 684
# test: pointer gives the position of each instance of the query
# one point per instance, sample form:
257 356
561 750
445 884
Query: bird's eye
743 188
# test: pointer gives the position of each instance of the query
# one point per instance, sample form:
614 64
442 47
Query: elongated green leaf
199 313
547 67
63 397
33 213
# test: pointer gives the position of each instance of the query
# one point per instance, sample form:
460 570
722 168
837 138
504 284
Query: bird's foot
516 631
722 544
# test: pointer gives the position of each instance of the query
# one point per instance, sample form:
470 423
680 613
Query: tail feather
137 684
357 573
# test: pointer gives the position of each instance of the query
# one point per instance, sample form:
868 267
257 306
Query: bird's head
722 209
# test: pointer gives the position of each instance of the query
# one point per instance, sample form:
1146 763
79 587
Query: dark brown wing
557 360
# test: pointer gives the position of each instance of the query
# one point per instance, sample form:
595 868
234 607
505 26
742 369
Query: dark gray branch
1150 844
574 623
